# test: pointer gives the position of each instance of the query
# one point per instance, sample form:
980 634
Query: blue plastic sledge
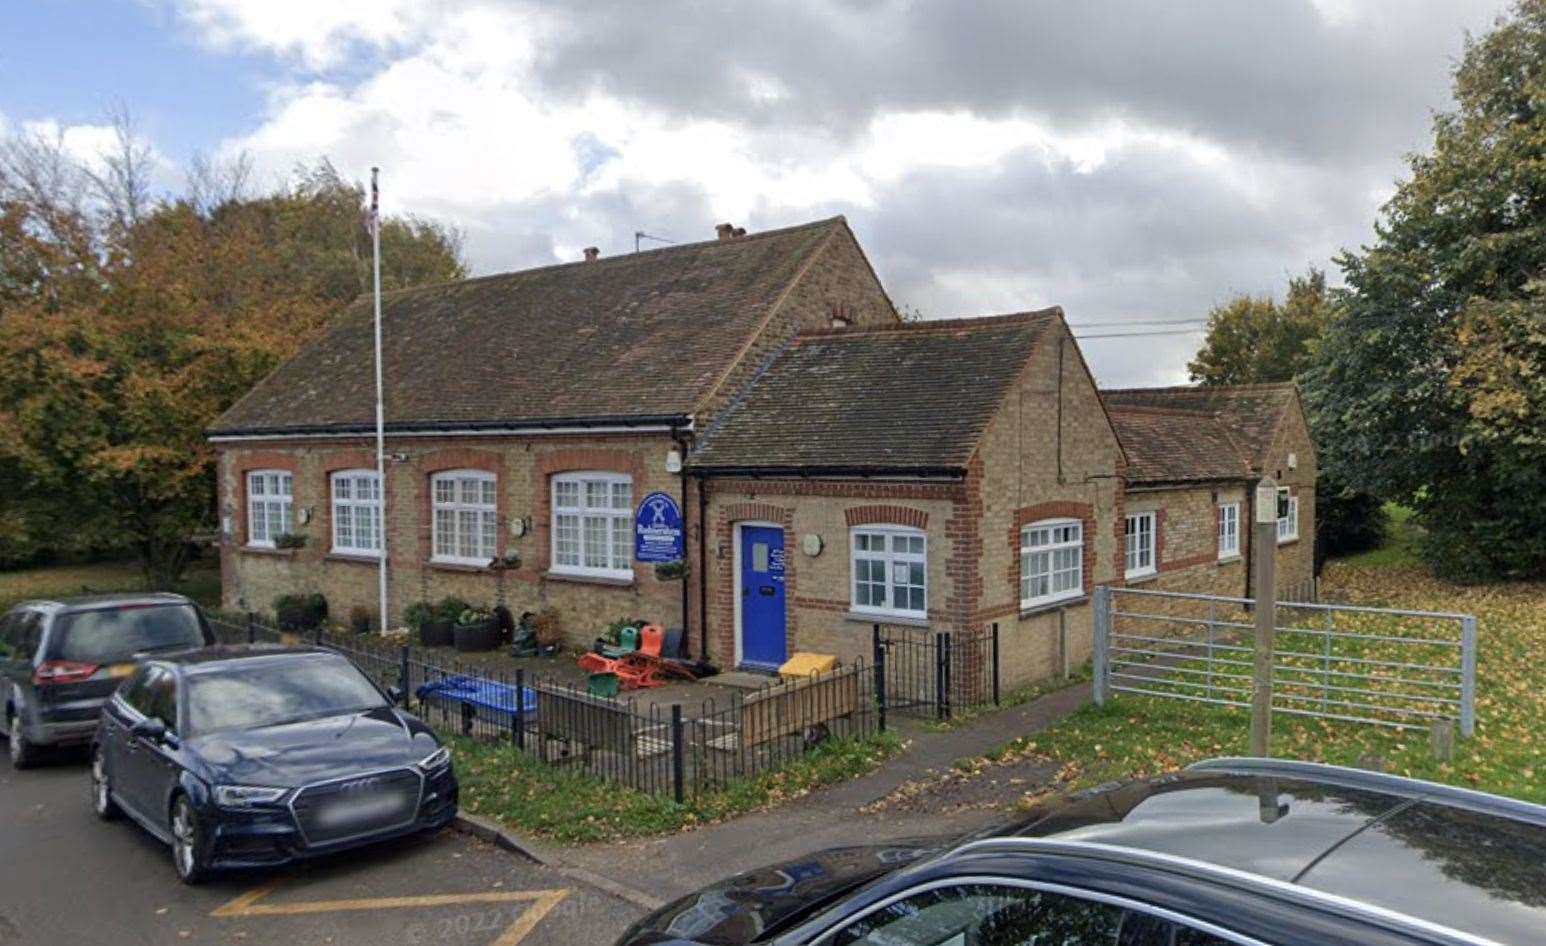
483 694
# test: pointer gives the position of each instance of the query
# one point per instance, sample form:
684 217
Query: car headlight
245 796
436 760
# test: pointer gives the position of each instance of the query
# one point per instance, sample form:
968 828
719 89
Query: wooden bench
596 722
790 708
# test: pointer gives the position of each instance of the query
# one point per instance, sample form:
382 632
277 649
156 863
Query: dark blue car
253 756
1232 852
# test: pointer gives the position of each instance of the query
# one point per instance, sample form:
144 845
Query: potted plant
546 629
476 630
438 627
507 562
671 571
297 613
289 540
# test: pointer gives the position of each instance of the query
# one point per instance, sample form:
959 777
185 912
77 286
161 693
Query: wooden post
1264 553
1441 738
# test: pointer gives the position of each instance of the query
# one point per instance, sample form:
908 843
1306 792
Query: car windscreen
273 692
110 635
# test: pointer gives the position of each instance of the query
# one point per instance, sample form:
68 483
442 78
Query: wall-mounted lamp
673 461
811 544
305 515
519 526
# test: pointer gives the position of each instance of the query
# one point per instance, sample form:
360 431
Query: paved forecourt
73 879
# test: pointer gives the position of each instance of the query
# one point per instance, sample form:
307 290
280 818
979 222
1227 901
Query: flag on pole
381 517
373 212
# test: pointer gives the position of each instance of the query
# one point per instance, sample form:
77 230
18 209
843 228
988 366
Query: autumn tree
1257 340
128 324
1430 383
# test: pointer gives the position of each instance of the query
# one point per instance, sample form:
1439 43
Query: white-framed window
593 524
1288 525
890 571
270 506
1229 530
1051 561
465 525
1139 535
356 512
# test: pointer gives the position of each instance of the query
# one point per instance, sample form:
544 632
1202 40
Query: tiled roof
634 337
1170 446
907 398
1251 412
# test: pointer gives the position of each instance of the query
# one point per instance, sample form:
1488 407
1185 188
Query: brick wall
1049 453
817 592
254 578
1296 560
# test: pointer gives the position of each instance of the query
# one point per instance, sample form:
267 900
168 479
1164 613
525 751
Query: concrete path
666 868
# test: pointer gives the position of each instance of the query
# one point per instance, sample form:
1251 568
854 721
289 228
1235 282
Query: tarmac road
71 879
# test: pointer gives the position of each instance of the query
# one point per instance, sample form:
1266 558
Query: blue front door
762 597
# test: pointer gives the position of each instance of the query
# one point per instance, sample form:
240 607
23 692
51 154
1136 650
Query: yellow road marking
542 901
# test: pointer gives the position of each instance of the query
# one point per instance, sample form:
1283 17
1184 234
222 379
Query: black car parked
252 756
61 660
1249 852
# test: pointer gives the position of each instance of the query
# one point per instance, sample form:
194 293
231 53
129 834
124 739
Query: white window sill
341 555
1288 540
1030 609
903 618
615 579
459 565
1231 557
266 550
1137 578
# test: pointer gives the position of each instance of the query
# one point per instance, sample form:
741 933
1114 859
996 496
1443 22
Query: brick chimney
726 231
592 254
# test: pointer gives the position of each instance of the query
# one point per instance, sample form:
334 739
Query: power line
1138 322
1184 331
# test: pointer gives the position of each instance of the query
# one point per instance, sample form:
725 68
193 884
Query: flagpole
375 254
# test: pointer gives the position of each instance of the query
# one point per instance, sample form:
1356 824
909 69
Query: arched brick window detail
1083 512
886 515
459 458
572 460
241 502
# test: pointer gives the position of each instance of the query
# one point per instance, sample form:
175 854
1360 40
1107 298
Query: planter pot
481 636
436 633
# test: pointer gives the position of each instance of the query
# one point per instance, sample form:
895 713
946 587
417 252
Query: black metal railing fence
678 750
932 674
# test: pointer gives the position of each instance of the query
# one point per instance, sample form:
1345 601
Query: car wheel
188 845
101 793
24 755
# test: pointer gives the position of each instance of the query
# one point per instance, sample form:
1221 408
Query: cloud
1136 161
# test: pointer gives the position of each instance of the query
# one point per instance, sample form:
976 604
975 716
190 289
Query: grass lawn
201 582
549 801
1399 549
1136 735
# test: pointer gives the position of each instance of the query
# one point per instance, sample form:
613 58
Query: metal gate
1378 666
931 674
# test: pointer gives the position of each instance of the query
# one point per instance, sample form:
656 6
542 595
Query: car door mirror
150 729
395 694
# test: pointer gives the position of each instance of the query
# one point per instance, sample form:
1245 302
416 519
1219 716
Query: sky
1134 161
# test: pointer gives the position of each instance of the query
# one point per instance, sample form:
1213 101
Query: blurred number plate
356 810
120 670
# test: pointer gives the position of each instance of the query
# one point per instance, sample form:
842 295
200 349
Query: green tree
1254 340
128 324
1257 340
1425 381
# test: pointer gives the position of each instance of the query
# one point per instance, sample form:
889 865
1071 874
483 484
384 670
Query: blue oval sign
657 530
